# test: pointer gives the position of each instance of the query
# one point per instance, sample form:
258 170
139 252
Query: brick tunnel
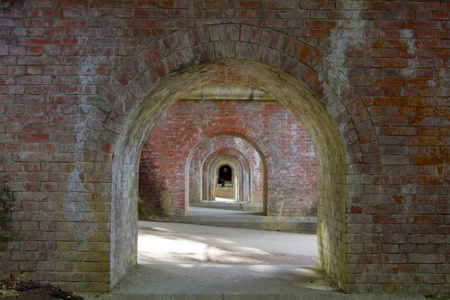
83 85
208 74
292 176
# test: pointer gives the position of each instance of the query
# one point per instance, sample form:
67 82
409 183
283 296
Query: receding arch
204 181
211 159
327 145
291 71
205 134
225 163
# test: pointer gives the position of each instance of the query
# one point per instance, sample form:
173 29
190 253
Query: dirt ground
29 290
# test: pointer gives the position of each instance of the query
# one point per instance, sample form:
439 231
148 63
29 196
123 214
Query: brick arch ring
236 169
235 128
208 176
234 131
290 70
201 138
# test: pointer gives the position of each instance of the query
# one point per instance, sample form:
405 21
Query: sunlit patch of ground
225 199
166 243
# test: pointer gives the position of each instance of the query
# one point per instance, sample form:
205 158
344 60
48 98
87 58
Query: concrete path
242 219
185 261
172 243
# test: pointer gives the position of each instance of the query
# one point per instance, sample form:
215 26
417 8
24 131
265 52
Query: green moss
6 200
146 213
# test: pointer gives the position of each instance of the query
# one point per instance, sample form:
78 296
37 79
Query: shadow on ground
186 261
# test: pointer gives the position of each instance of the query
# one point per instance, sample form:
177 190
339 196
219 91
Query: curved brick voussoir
288 69
83 83
238 130
191 46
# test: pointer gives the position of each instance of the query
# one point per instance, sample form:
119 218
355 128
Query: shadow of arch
288 69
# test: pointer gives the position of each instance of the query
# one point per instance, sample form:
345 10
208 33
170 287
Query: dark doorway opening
226 173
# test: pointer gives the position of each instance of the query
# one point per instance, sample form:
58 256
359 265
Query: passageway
192 261
181 143
187 261
115 109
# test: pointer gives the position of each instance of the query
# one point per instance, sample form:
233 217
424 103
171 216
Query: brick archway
234 165
288 69
199 170
245 186
175 201
238 130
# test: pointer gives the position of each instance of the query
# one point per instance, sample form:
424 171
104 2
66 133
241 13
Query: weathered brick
178 115
394 54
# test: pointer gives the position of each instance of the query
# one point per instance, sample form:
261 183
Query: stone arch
208 132
242 175
206 170
200 182
292 71
231 162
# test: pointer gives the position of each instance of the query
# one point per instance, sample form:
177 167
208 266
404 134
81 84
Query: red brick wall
75 74
162 171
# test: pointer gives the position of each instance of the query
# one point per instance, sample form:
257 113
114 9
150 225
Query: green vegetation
11 289
6 201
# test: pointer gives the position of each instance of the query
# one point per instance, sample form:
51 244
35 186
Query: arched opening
242 174
290 70
327 145
225 189
226 174
209 146
243 155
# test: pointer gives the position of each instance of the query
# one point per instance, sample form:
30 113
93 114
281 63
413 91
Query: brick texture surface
83 82
293 178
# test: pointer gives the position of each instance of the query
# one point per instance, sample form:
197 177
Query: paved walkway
185 261
173 243
242 219
205 211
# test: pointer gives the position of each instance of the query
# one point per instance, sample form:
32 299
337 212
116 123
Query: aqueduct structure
82 84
